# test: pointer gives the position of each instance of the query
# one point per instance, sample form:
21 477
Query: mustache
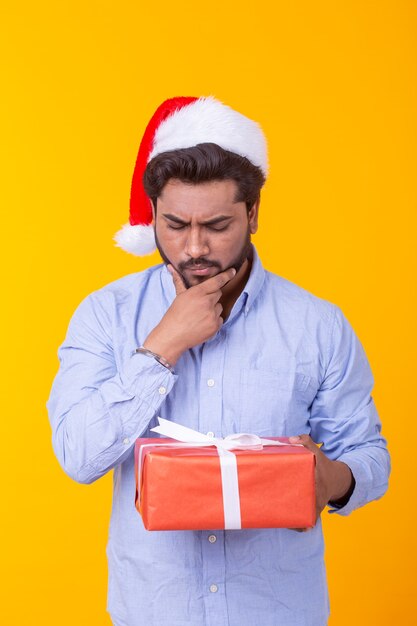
198 263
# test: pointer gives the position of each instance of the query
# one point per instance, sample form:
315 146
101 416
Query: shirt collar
251 289
255 280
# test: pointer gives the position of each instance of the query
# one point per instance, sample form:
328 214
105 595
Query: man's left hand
333 478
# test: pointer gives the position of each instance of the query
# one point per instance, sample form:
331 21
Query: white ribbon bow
228 462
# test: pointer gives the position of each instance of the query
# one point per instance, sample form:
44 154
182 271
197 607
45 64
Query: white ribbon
228 462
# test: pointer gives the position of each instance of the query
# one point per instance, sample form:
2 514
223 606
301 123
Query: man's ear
153 209
253 217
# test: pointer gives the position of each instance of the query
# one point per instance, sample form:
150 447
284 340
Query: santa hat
184 122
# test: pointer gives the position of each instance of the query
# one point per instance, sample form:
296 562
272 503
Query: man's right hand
193 317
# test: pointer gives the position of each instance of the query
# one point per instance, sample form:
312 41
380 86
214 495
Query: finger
177 279
307 442
218 281
218 308
214 296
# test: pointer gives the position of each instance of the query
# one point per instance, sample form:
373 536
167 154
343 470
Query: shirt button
210 433
214 588
126 440
210 382
212 538
162 390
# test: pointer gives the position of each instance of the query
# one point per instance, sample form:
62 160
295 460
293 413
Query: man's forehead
212 188
207 200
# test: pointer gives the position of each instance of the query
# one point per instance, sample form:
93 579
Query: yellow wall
334 86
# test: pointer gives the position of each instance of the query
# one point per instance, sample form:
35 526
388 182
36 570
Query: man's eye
214 228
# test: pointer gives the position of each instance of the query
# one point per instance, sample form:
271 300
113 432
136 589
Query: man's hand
193 317
333 478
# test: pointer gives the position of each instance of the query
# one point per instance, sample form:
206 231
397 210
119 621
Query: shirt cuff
359 496
145 383
145 376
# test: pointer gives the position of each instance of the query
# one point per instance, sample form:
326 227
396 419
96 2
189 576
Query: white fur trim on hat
209 120
138 240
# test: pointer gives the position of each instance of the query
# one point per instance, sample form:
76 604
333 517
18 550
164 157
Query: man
211 340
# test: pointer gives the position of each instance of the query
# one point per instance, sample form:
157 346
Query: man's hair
202 163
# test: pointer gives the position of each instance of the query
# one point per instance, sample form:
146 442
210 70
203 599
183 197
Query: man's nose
197 244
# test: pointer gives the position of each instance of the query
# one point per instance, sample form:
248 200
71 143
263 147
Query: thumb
177 279
306 440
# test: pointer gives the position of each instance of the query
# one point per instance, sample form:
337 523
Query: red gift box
181 486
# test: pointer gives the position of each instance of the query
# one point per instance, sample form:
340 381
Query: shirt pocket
274 402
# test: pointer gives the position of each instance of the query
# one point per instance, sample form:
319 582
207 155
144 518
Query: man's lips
199 269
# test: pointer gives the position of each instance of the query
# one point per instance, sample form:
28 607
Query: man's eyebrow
214 220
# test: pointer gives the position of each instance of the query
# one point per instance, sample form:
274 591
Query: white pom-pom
138 240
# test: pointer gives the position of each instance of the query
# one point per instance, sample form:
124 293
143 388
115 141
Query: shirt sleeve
96 409
345 419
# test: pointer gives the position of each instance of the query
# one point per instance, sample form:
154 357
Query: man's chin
192 277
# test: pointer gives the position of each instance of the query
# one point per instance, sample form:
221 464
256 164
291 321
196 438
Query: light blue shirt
284 362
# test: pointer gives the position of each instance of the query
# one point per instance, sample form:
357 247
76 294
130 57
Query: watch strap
157 357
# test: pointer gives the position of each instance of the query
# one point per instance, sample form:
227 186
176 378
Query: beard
244 253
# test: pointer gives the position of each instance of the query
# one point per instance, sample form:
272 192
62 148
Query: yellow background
334 86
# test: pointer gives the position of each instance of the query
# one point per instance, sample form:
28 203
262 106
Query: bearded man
213 341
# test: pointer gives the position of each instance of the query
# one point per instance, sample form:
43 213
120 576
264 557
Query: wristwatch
157 357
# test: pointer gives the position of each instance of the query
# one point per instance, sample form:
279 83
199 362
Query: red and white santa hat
184 122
